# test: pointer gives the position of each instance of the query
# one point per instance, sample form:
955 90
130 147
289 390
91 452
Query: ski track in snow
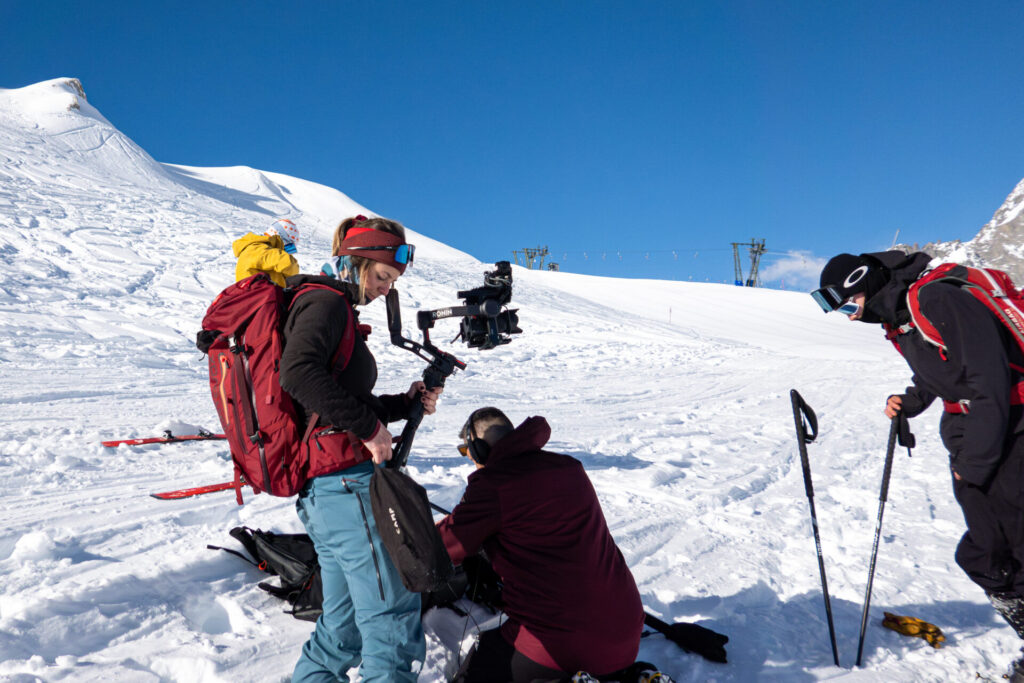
107 263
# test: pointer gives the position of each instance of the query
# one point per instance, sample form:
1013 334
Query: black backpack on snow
290 557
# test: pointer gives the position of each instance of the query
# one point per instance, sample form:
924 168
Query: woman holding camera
370 619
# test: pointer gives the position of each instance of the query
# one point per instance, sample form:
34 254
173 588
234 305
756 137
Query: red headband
368 237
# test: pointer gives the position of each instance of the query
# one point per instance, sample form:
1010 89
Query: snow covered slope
674 395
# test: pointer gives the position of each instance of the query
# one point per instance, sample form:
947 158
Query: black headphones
479 449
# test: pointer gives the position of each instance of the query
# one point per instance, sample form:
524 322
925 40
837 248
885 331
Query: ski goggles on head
463 449
403 252
828 298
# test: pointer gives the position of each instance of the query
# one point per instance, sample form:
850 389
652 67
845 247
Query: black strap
807 418
243 391
906 439
235 553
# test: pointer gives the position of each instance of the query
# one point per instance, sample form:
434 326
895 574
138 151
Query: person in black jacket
981 427
369 620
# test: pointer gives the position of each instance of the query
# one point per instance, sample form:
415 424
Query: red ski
203 435
197 491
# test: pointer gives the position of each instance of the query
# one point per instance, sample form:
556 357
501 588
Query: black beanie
850 275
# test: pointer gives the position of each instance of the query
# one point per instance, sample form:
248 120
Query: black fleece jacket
976 366
312 333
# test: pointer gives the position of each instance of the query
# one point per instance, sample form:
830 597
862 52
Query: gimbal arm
440 367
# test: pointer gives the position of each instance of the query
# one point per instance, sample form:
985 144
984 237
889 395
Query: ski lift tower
756 248
531 258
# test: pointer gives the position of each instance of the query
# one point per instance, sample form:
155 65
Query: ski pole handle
806 419
803 417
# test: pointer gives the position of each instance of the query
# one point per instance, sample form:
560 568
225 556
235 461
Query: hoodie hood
531 435
889 304
272 241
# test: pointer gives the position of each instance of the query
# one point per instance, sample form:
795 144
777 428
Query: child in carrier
269 253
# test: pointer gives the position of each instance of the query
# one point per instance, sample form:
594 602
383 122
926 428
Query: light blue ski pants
369 617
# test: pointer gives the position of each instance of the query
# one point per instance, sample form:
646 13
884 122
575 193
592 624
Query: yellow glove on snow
912 626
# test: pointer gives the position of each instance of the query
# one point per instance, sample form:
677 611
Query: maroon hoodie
571 600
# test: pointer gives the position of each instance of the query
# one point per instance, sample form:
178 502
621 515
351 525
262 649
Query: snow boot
1010 606
1016 672
654 677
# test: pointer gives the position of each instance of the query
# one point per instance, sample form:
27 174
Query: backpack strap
348 337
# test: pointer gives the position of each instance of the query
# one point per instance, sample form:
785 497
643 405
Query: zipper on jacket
369 539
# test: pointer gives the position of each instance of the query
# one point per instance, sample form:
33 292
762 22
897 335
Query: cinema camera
486 323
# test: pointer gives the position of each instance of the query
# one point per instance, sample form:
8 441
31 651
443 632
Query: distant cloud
794 270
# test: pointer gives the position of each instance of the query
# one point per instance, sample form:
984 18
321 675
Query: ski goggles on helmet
403 252
828 298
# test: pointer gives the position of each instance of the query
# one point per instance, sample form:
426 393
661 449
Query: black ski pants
991 552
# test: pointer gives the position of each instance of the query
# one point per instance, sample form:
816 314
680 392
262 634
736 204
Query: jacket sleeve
916 399
475 519
313 332
396 407
973 341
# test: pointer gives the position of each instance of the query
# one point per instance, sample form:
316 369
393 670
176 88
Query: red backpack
242 333
992 287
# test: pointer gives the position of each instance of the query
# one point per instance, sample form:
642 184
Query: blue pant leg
386 614
392 633
334 646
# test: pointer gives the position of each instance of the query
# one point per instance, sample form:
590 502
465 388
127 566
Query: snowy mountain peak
999 243
51 129
49 101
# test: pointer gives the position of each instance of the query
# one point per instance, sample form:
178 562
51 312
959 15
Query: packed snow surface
674 395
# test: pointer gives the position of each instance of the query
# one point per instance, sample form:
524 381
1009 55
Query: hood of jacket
247 240
889 304
531 435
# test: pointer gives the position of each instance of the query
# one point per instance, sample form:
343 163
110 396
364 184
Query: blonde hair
360 263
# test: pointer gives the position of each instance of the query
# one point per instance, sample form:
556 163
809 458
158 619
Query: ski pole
804 417
894 430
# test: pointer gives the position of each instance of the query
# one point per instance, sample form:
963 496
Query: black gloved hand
692 638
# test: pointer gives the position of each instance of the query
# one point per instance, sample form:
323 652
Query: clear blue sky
637 127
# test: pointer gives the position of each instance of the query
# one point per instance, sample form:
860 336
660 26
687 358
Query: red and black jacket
974 368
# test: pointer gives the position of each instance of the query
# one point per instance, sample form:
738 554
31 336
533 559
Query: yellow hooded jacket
263 254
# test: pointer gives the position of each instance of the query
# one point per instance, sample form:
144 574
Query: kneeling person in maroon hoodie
571 601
